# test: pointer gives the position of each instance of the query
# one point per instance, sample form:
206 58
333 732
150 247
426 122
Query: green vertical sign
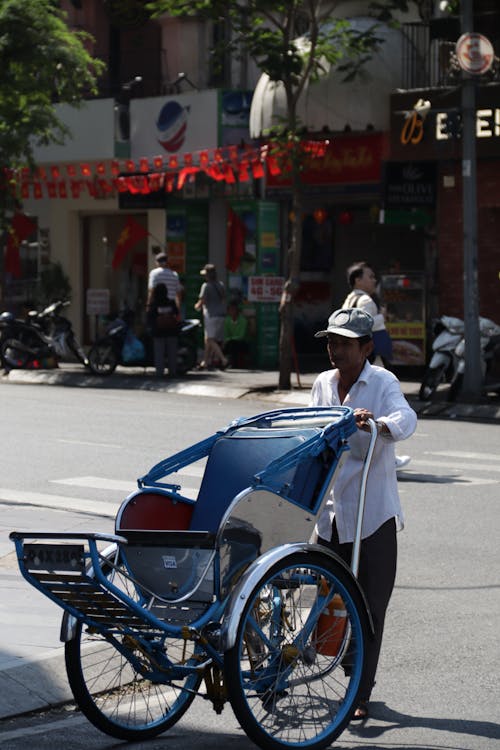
268 264
187 246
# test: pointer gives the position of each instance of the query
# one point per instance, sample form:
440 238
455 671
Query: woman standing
163 321
212 300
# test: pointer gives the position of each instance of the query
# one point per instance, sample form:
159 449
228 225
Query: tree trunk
286 343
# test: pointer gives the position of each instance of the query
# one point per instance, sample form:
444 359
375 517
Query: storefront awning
329 104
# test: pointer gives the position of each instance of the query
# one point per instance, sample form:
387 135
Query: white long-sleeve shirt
362 300
377 390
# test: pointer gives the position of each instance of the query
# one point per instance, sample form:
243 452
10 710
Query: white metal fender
258 570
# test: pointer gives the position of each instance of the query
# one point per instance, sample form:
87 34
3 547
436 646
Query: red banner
347 159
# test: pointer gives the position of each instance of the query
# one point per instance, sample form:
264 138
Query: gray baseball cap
350 322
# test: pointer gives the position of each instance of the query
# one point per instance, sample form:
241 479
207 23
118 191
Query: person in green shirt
235 334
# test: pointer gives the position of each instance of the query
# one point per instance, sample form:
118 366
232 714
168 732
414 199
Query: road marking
101 483
59 502
98 483
457 467
90 442
465 454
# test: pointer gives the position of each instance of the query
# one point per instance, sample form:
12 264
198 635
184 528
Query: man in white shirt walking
373 392
162 274
362 279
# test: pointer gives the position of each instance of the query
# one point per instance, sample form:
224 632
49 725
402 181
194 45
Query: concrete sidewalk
32 671
243 383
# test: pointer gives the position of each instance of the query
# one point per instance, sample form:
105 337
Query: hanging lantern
37 190
51 189
71 170
173 163
158 162
63 193
345 217
85 170
130 165
204 159
101 168
144 165
115 168
320 216
55 172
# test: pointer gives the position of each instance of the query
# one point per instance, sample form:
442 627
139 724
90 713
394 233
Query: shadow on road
392 719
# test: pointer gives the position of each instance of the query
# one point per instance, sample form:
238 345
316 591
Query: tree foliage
294 42
42 63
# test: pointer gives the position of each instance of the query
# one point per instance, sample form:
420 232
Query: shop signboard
187 228
354 159
265 288
168 125
437 133
409 184
403 296
257 281
98 301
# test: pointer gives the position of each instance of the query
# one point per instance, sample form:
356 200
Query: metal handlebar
356 547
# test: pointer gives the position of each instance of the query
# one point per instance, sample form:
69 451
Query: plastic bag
133 349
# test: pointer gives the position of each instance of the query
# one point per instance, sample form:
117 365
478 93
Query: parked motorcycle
489 333
23 346
118 345
448 332
39 341
59 332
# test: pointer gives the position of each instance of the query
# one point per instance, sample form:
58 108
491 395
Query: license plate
54 557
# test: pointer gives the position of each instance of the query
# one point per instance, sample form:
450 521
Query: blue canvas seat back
232 464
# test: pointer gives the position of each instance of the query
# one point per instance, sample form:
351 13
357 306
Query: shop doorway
126 282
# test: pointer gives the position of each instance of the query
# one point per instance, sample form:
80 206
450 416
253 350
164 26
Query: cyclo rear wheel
293 678
112 694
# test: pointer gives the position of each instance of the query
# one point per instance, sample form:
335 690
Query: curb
488 410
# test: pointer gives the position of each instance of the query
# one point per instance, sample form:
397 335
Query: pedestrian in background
373 393
162 274
163 322
362 279
212 301
235 334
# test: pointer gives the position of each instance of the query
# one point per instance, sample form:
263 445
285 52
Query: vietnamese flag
20 228
130 235
235 240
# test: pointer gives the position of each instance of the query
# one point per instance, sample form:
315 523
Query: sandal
361 712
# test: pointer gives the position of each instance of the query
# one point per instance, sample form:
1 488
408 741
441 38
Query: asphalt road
80 451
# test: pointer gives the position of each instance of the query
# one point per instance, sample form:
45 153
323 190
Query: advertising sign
167 125
265 288
409 184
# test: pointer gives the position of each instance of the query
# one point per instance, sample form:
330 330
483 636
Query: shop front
425 137
343 222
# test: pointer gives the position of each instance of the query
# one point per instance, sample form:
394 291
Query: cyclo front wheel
294 673
111 693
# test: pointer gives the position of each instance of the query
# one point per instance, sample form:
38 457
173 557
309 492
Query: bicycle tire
103 360
284 690
113 696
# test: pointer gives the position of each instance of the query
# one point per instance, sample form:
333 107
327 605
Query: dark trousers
377 573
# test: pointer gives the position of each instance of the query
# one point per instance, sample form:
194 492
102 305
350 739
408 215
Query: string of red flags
229 164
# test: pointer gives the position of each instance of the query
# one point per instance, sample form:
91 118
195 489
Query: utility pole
471 390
